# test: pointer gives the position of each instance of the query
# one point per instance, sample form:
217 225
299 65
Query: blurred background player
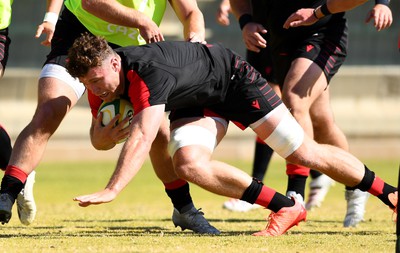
304 86
59 92
261 60
26 205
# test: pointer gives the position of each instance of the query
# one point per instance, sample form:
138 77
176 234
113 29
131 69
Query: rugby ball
111 109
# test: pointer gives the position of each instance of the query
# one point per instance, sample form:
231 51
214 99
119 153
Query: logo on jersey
309 48
132 33
255 104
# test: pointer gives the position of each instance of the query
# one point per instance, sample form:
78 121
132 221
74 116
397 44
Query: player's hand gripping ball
111 109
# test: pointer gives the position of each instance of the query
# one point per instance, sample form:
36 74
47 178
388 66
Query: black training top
186 75
177 74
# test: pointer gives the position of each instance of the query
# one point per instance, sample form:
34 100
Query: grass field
139 220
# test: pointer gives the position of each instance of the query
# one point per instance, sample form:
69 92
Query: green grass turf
139 220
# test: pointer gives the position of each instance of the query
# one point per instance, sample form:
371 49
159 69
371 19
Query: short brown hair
88 51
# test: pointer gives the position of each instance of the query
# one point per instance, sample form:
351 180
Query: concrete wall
365 100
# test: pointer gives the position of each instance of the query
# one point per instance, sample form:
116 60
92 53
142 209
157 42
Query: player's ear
116 64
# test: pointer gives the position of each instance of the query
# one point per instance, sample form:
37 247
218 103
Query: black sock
251 193
297 183
279 201
384 197
315 173
367 183
11 186
262 157
181 198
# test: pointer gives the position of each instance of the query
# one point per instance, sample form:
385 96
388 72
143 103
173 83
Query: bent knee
50 113
188 164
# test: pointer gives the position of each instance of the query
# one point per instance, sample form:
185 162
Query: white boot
26 205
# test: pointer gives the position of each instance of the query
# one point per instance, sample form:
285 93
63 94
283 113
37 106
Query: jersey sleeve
94 103
147 89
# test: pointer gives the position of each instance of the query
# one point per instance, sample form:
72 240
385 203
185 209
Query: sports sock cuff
265 197
253 191
296 183
16 172
294 169
175 184
367 182
377 187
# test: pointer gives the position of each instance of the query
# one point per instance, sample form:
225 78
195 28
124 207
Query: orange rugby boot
284 219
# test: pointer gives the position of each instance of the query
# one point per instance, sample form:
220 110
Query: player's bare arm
191 18
144 129
49 22
309 16
116 13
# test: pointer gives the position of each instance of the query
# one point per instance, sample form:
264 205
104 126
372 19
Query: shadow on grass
145 227
159 231
55 232
161 220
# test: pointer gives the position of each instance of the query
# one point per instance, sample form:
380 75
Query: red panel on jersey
138 92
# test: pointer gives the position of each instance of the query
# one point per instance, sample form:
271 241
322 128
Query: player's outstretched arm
97 198
304 17
144 129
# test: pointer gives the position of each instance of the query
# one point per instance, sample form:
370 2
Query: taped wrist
51 17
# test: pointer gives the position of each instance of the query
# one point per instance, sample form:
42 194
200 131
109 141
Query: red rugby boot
284 219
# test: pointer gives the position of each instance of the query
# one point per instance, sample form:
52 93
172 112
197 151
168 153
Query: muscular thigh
321 111
326 49
56 95
304 83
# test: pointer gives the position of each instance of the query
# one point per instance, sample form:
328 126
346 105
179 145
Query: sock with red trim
297 176
179 193
13 181
265 196
376 186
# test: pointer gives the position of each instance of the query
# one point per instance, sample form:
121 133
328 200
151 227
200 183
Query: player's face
104 81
